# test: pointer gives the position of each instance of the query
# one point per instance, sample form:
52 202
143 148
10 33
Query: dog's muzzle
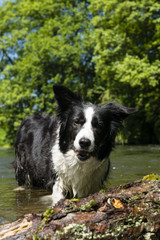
82 155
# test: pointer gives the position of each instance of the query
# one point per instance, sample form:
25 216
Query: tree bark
131 211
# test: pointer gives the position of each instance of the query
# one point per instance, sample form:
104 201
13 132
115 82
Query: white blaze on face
86 130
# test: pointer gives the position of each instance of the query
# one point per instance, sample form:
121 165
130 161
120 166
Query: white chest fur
81 178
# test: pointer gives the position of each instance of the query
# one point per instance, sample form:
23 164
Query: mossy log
131 211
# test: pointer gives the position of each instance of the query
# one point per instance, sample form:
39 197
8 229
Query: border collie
68 152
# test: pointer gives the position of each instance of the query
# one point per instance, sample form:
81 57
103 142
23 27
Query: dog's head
88 129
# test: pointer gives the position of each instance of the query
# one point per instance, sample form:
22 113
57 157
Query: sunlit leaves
105 50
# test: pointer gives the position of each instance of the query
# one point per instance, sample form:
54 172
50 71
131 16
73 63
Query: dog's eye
78 122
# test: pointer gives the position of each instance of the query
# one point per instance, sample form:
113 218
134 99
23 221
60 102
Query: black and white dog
70 151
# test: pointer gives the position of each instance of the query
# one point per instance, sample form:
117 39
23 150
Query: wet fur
48 149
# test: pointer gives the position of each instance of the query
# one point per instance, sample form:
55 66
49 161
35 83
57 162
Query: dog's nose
84 143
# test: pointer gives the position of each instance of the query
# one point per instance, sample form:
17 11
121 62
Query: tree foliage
127 53
105 50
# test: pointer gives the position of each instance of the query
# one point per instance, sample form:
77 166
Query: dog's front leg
57 193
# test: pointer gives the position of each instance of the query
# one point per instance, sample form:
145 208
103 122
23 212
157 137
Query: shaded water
128 163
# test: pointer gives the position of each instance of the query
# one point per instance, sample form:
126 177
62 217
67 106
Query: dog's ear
117 113
113 115
120 111
65 98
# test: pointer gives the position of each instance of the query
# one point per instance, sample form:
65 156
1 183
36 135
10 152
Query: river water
128 163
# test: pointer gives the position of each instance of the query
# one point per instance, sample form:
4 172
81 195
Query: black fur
34 140
38 133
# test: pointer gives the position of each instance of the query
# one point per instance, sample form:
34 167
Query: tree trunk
131 211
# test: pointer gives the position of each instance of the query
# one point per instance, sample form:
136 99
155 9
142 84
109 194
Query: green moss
48 213
46 216
151 177
102 191
71 206
88 206
119 228
74 231
35 237
85 208
75 200
92 203
81 231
